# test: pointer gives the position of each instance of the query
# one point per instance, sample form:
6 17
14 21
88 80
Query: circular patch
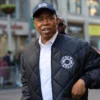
67 62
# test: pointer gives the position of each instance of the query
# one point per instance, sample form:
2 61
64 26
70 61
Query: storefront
76 30
74 6
94 31
20 31
94 7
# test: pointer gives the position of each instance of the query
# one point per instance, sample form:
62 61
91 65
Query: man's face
60 26
45 24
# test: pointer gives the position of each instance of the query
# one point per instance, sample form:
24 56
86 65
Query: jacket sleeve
25 89
91 73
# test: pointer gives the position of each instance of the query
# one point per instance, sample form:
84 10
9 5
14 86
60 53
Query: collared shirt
45 68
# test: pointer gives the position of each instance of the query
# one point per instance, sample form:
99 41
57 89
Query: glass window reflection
1 13
54 2
4 2
74 6
22 9
94 7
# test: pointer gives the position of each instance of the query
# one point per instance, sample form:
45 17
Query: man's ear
34 23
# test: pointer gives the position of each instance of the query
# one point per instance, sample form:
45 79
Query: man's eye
40 19
50 18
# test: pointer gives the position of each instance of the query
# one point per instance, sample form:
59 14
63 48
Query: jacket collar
56 45
51 41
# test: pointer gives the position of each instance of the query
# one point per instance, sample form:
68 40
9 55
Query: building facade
20 26
82 18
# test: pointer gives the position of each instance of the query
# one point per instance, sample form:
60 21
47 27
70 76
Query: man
61 26
7 58
57 67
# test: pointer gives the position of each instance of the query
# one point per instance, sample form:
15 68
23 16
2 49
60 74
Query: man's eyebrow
38 17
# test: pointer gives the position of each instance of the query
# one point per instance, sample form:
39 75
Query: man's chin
47 37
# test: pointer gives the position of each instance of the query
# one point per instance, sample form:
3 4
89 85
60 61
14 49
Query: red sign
14 26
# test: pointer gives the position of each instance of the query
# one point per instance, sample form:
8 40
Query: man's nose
45 21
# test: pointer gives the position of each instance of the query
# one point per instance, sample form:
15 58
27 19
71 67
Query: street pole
86 20
29 21
9 30
9 33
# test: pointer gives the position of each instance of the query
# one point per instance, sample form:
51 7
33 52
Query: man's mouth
45 30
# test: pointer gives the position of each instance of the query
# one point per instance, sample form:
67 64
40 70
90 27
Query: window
1 13
4 2
22 9
94 7
74 6
54 2
76 30
47 1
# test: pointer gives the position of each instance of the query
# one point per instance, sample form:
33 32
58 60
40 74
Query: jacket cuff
87 81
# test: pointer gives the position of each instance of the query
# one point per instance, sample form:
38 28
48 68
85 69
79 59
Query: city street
15 94
12 94
94 94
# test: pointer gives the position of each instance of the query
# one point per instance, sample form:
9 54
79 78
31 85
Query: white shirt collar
51 41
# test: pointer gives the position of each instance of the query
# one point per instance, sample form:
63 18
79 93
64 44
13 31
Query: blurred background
82 18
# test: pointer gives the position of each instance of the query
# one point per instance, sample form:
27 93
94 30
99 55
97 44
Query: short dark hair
60 24
9 52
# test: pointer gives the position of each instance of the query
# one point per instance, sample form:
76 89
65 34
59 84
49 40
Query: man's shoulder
72 41
31 46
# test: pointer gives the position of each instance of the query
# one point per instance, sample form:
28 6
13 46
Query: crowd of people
8 63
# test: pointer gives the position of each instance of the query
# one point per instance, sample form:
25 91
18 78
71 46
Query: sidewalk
10 94
15 94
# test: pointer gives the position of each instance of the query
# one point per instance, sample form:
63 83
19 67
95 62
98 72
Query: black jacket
7 59
71 59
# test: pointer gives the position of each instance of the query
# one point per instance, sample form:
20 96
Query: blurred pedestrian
3 72
3 66
57 67
17 59
7 58
61 25
17 68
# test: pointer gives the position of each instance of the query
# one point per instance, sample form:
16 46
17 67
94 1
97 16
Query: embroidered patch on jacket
67 62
